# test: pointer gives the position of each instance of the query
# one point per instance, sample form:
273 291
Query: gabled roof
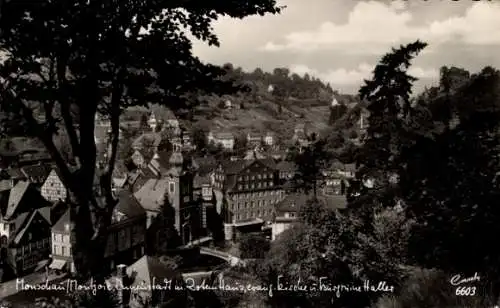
141 177
15 196
268 162
151 194
59 226
148 270
152 139
46 212
128 205
40 171
20 234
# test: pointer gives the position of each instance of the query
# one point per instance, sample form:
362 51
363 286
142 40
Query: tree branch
65 111
116 97
46 138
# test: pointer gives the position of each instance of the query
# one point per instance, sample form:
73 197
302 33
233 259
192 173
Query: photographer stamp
465 286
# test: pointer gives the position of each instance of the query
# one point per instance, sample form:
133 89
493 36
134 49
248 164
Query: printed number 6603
465 291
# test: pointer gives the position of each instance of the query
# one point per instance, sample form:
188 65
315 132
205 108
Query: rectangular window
172 187
63 250
253 204
258 176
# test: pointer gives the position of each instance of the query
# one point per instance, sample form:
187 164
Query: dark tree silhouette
65 62
310 162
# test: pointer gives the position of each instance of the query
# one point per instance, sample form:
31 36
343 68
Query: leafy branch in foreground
65 62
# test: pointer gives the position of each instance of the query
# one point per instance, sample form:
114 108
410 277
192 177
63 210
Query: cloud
355 77
373 27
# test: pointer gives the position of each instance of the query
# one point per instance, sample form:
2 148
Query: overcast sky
340 41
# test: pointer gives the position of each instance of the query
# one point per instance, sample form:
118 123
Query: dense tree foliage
336 112
311 161
253 246
65 62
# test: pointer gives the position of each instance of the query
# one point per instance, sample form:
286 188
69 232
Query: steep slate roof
150 195
60 224
16 195
128 205
20 234
149 139
233 168
148 270
143 175
37 171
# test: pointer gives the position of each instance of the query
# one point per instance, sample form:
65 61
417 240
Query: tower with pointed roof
180 192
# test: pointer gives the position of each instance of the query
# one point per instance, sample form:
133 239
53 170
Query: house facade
269 139
254 140
250 189
24 228
53 188
126 236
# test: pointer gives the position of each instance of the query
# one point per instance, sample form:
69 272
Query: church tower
180 192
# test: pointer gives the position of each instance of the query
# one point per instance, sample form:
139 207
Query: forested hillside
274 101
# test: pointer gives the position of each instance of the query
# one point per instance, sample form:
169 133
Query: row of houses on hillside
227 139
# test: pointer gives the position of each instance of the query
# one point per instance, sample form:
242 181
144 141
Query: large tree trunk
89 234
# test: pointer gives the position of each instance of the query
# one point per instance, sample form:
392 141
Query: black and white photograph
249 153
